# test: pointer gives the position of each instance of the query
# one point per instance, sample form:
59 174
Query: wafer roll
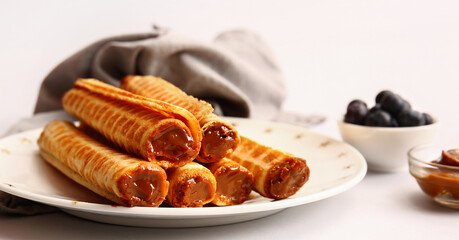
156 131
234 182
191 185
277 174
219 137
116 176
157 88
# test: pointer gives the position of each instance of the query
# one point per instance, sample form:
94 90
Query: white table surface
330 52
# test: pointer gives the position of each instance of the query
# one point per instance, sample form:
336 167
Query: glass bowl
438 181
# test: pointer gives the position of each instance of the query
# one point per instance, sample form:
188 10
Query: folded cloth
11 204
236 73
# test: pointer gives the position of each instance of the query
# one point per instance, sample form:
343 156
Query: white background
330 52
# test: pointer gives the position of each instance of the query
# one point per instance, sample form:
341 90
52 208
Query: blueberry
379 118
405 106
394 122
381 94
357 101
410 118
356 112
392 103
390 110
428 118
375 108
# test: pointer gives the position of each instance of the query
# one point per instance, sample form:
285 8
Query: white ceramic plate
335 167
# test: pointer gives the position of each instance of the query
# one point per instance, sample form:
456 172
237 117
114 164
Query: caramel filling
145 186
195 192
173 144
438 183
287 178
217 141
233 186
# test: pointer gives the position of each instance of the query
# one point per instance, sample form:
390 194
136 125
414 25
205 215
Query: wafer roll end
145 185
219 139
285 178
192 185
234 182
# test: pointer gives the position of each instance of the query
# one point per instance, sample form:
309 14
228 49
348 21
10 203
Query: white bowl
385 148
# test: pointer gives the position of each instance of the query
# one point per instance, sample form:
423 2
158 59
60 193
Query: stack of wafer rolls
191 185
136 147
219 138
119 177
154 130
277 174
234 182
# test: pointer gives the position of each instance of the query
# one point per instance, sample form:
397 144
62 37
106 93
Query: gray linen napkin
236 72
11 204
